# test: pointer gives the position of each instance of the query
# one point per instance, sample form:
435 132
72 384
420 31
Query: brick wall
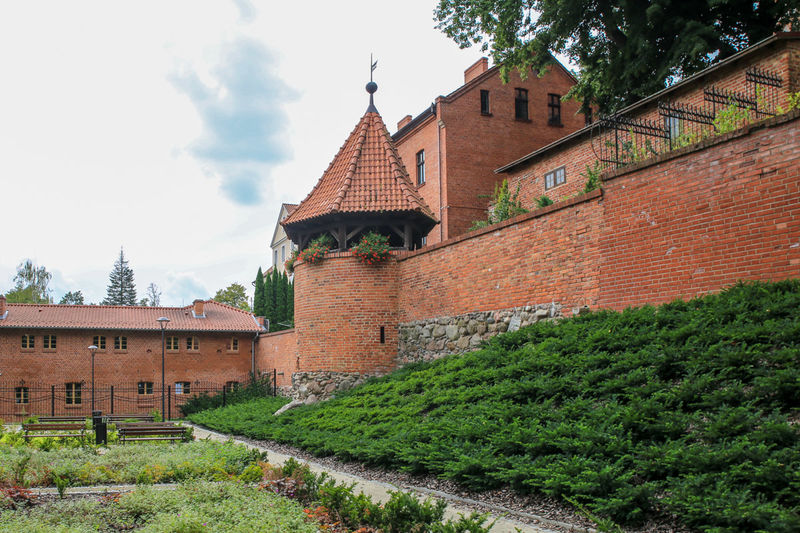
340 307
278 351
698 220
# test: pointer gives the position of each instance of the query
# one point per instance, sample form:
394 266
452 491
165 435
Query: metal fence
20 400
619 140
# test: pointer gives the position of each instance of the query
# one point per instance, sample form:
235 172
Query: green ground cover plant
688 409
67 466
191 507
255 388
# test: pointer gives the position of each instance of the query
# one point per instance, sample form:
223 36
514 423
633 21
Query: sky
175 129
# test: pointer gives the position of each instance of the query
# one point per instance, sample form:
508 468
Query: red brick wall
278 351
549 255
698 222
340 305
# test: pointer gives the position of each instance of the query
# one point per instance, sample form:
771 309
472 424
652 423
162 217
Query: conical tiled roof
366 176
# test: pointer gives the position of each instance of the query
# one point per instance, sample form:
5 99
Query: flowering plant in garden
315 251
373 248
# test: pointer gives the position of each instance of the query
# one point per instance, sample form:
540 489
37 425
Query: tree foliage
234 295
278 300
505 205
121 287
30 284
626 49
72 298
259 297
153 297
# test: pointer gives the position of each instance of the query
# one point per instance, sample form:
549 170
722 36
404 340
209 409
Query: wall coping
519 219
744 131
276 333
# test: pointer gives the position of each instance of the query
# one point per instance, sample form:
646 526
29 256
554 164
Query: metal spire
372 86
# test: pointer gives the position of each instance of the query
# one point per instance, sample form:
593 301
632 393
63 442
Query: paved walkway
379 492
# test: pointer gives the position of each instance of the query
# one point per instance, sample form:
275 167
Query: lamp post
92 349
162 321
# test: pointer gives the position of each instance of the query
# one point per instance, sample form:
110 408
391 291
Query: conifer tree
269 299
121 287
290 301
280 300
259 304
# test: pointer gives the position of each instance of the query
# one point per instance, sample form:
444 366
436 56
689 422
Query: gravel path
538 512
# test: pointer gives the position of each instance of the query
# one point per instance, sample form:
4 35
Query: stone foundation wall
311 387
424 340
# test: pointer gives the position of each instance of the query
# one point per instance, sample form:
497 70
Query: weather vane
372 66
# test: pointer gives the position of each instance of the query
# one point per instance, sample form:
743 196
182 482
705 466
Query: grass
689 409
192 507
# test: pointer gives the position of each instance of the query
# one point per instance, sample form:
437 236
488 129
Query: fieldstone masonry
424 340
311 387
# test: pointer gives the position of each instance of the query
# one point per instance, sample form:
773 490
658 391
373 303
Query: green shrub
255 388
685 409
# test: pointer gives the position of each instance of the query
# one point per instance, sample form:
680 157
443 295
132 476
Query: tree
72 298
153 295
121 287
30 284
234 295
259 303
626 49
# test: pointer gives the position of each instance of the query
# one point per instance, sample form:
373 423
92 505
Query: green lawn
685 409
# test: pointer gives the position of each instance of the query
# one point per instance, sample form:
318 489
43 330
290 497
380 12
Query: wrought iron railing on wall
618 140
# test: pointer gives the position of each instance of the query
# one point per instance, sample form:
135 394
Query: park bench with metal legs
54 430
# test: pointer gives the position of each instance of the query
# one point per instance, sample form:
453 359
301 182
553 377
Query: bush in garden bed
686 409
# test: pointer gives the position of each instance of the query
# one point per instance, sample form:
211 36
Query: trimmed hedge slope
690 408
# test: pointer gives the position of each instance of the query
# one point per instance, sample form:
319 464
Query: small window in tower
521 104
554 109
485 108
421 167
383 335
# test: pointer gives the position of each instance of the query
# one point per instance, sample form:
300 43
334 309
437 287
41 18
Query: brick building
47 346
453 147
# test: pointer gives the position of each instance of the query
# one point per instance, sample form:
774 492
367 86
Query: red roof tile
218 317
366 176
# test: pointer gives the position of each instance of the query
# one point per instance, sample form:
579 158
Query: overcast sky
175 129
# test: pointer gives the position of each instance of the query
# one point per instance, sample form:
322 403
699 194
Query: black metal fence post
224 392
274 381
169 403
112 399
52 400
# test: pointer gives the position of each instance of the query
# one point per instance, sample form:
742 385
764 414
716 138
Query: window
49 342
73 393
172 344
674 126
120 343
421 167
554 109
145 387
485 108
556 177
28 342
275 257
21 395
424 240
283 253
521 104
234 345
191 343
182 387
99 341
231 386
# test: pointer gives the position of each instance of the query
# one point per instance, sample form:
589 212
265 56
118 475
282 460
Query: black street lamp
163 323
92 349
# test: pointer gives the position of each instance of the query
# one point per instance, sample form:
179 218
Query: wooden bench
114 418
61 419
141 432
54 430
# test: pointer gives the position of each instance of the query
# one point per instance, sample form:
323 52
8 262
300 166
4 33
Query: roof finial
372 86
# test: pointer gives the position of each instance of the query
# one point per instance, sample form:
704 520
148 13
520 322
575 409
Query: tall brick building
452 148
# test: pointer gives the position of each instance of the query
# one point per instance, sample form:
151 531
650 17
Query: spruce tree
280 301
290 302
121 288
269 299
259 305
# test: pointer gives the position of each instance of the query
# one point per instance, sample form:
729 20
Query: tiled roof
366 176
218 317
290 208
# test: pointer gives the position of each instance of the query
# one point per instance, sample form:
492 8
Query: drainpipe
439 125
